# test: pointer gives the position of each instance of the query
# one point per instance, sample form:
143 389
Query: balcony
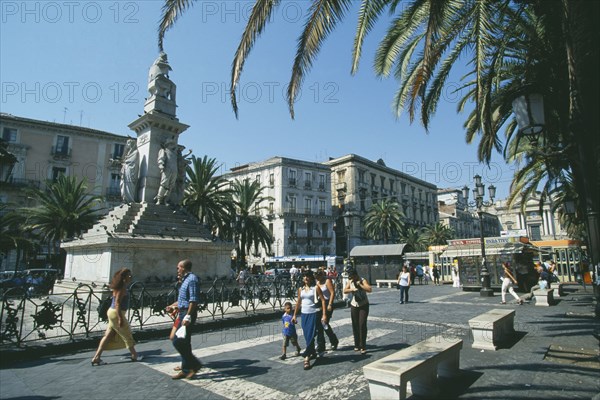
292 182
322 186
307 185
114 163
307 211
60 153
340 186
18 182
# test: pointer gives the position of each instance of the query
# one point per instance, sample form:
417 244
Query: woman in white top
359 309
507 282
328 291
307 297
404 284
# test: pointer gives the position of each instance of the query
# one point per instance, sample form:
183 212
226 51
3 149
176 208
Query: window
271 207
309 229
307 206
114 187
307 179
272 179
9 135
257 178
324 229
58 171
322 181
373 179
118 149
292 177
292 204
535 232
62 145
292 228
322 207
382 182
361 176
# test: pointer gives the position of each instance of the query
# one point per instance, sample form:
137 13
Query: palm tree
13 235
65 210
208 196
246 220
384 221
513 46
413 238
437 234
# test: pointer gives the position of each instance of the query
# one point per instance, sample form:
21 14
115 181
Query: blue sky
86 63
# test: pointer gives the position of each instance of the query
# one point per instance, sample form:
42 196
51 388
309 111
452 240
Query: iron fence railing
27 319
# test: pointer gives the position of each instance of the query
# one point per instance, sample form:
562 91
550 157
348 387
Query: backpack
103 308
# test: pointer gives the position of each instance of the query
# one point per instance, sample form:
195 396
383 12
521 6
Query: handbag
360 295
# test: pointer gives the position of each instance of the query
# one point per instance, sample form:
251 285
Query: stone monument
150 231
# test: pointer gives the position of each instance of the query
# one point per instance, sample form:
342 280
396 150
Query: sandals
98 362
502 302
363 351
139 358
307 365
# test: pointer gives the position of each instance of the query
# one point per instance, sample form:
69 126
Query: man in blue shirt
187 302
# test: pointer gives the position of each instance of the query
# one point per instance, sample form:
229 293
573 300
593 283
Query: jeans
404 294
184 345
321 331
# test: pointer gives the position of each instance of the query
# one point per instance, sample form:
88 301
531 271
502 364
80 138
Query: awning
493 246
378 250
417 256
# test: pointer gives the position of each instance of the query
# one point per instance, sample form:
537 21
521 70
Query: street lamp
238 224
348 223
478 193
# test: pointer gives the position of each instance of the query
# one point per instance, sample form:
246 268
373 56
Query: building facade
46 150
298 212
357 183
456 214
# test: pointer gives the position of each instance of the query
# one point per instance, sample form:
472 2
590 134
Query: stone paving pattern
554 355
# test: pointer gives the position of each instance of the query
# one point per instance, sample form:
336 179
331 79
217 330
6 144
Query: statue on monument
159 83
182 162
129 172
168 166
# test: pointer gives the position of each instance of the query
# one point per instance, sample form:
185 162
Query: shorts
291 338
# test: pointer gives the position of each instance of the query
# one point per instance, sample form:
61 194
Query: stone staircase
146 219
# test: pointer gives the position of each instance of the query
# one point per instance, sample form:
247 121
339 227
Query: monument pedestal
150 240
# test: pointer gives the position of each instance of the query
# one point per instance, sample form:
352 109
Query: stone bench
491 328
414 369
389 282
544 297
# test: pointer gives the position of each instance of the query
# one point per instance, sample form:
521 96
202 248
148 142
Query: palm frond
322 19
171 10
261 13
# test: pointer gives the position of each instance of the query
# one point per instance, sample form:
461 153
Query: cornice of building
16 121
354 158
275 161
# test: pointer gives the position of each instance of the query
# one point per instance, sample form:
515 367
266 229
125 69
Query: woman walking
118 333
328 295
359 309
404 284
507 282
308 295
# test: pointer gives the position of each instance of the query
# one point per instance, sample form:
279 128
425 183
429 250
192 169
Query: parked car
34 281
278 273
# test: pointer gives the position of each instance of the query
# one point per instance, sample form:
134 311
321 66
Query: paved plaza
554 355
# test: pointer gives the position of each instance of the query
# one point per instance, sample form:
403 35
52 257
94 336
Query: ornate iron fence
67 316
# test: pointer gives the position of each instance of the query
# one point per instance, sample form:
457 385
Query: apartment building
298 213
455 213
45 150
358 183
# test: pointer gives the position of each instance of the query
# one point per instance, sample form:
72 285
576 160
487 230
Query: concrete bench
544 297
389 282
491 328
414 369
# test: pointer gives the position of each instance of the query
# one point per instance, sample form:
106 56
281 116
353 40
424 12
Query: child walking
289 330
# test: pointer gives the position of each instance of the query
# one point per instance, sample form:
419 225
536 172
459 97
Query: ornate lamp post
479 203
348 223
238 225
